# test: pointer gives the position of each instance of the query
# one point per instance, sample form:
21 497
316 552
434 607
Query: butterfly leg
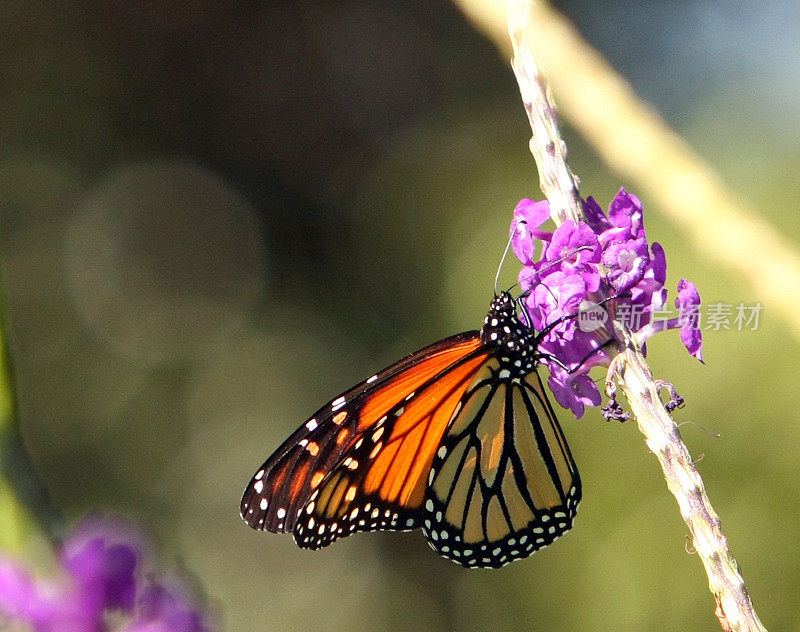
544 332
554 360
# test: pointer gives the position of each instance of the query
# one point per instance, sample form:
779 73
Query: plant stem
734 607
24 501
549 150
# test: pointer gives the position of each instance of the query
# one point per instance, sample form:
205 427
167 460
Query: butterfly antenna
505 254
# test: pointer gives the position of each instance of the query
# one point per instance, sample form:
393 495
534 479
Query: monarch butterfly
458 438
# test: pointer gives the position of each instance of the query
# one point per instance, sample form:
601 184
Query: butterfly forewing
381 483
284 483
503 483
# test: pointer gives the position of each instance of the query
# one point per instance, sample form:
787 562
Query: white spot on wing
338 403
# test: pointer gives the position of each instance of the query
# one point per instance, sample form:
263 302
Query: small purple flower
560 295
573 391
653 279
576 389
102 564
576 248
595 217
626 214
608 260
627 262
528 216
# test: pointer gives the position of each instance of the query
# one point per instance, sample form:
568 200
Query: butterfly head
503 333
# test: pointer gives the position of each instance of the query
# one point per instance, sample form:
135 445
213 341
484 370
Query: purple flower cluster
600 270
101 573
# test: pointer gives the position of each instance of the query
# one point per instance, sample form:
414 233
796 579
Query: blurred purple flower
608 258
101 558
102 564
19 596
165 609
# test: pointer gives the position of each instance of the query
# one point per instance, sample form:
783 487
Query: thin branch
549 150
734 607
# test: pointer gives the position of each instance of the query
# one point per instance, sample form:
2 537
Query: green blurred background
215 218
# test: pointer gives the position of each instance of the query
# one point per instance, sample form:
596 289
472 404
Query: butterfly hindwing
284 484
503 483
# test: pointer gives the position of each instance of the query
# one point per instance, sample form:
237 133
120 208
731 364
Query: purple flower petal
528 216
100 561
688 304
574 391
658 264
44 606
688 296
574 245
595 217
653 279
625 211
105 574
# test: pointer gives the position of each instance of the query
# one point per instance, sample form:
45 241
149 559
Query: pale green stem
24 502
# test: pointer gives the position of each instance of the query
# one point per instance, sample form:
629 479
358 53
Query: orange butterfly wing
371 446
381 483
